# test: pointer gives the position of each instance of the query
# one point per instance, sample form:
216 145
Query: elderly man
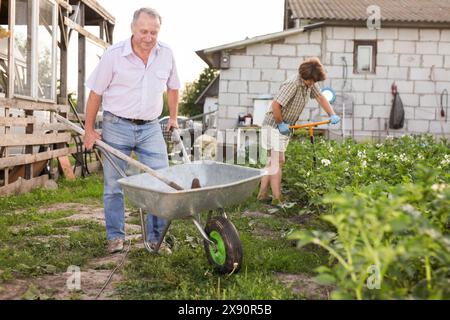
129 82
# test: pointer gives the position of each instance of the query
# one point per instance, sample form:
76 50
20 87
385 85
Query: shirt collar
127 49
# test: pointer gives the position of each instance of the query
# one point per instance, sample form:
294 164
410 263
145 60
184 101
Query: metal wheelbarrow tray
222 185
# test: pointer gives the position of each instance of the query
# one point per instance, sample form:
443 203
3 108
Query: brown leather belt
136 121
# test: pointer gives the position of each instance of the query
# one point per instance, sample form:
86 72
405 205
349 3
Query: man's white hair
151 12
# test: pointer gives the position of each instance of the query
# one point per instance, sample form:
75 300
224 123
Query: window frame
34 52
356 44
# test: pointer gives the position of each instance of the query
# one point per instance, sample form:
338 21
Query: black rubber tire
232 244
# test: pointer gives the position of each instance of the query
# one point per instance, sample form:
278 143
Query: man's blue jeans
148 143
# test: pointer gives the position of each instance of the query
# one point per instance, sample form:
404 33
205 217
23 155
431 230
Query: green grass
87 190
35 242
186 274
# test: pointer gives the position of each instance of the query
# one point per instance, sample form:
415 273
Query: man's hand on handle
172 123
89 138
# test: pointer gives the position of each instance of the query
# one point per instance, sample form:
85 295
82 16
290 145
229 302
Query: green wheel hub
218 255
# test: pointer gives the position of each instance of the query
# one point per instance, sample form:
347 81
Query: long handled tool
120 155
310 127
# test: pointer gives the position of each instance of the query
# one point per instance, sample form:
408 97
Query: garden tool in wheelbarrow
222 185
310 127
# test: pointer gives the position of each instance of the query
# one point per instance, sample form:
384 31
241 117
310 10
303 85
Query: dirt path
92 276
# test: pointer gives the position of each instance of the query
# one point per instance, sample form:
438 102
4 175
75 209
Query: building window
364 56
35 32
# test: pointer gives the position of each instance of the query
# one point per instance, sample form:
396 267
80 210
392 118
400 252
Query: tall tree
193 90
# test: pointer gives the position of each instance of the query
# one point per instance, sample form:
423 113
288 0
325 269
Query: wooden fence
30 140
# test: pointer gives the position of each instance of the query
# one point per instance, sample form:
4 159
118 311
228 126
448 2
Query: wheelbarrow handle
120 155
309 125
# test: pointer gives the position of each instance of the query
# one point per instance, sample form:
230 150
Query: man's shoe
164 248
115 245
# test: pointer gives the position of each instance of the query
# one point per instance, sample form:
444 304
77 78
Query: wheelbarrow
221 185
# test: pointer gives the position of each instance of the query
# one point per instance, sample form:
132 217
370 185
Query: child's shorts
272 139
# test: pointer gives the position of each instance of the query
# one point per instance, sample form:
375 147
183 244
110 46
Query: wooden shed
34 55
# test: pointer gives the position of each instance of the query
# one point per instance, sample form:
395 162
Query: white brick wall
419 74
429 60
335 45
445 35
426 47
385 59
229 99
404 55
241 61
382 85
237 86
429 34
309 50
410 60
251 74
364 34
387 33
447 62
374 98
362 85
315 36
408 34
273 75
418 125
404 47
411 100
429 100
425 114
230 74
289 63
344 33
385 46
397 73
362 111
259 50
381 111
444 48
424 87
284 50
258 87
266 62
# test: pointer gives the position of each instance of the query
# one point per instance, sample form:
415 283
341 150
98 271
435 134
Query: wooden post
81 62
11 73
62 99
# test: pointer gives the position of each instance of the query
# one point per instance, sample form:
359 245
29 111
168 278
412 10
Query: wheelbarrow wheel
226 257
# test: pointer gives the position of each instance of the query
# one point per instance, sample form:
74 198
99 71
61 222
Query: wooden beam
94 5
11 73
87 34
32 104
24 186
22 159
16 122
81 61
13 140
65 5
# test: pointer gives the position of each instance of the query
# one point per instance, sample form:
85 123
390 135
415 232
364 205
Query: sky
191 25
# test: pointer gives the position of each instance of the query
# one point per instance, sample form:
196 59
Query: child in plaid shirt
287 106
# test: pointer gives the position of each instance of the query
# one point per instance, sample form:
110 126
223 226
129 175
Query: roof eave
207 54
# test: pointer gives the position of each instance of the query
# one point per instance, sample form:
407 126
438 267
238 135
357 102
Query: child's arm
325 105
276 110
334 118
